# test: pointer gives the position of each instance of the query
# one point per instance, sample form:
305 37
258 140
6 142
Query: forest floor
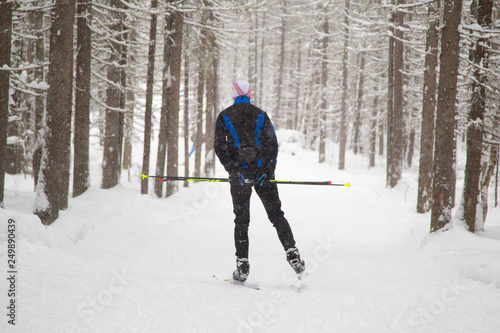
119 261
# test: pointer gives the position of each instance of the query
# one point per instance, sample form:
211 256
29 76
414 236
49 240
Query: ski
244 284
299 285
239 283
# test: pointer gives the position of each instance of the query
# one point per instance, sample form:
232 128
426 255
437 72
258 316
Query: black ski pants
268 194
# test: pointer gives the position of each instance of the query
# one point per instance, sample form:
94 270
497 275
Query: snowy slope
118 261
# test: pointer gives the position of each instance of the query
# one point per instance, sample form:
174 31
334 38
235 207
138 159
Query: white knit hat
241 88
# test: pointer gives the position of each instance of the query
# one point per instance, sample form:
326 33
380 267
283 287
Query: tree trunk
486 175
396 144
254 77
411 147
252 41
198 142
345 89
173 99
428 113
260 90
359 105
211 90
280 109
390 101
128 104
212 87
115 102
149 96
324 88
81 174
166 89
200 93
123 97
496 179
475 128
5 49
53 184
40 99
373 130
128 126
298 88
186 107
445 117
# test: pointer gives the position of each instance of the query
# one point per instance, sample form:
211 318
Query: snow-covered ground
119 261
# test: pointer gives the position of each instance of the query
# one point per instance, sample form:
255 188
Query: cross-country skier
246 144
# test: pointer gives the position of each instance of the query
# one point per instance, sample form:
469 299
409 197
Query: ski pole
226 180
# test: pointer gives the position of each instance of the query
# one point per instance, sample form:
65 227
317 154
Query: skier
246 145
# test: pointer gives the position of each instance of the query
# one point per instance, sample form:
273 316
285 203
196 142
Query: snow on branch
24 8
106 106
198 25
478 28
18 69
487 70
409 5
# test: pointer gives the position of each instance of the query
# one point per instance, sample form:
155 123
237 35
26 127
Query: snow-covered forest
400 99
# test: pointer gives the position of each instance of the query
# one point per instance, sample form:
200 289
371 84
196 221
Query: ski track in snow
119 261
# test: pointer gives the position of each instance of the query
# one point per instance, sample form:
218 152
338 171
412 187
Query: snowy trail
117 261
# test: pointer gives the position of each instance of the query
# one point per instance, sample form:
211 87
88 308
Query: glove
261 179
236 177
242 179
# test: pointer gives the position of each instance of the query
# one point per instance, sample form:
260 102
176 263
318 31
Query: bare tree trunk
5 49
200 93
128 104
373 131
298 91
53 183
496 179
324 88
166 85
123 98
254 75
212 88
280 109
260 99
484 184
186 107
128 126
149 96
81 174
211 91
475 129
115 102
397 138
411 147
252 41
390 101
40 99
428 113
173 99
345 89
198 142
445 117
359 105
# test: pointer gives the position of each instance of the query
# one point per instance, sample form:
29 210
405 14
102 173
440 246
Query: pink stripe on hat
241 88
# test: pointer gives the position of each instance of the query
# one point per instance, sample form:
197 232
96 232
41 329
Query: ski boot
242 270
293 258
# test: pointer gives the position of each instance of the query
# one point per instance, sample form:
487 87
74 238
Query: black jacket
245 141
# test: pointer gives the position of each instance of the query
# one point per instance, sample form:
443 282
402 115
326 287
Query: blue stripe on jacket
229 125
258 129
